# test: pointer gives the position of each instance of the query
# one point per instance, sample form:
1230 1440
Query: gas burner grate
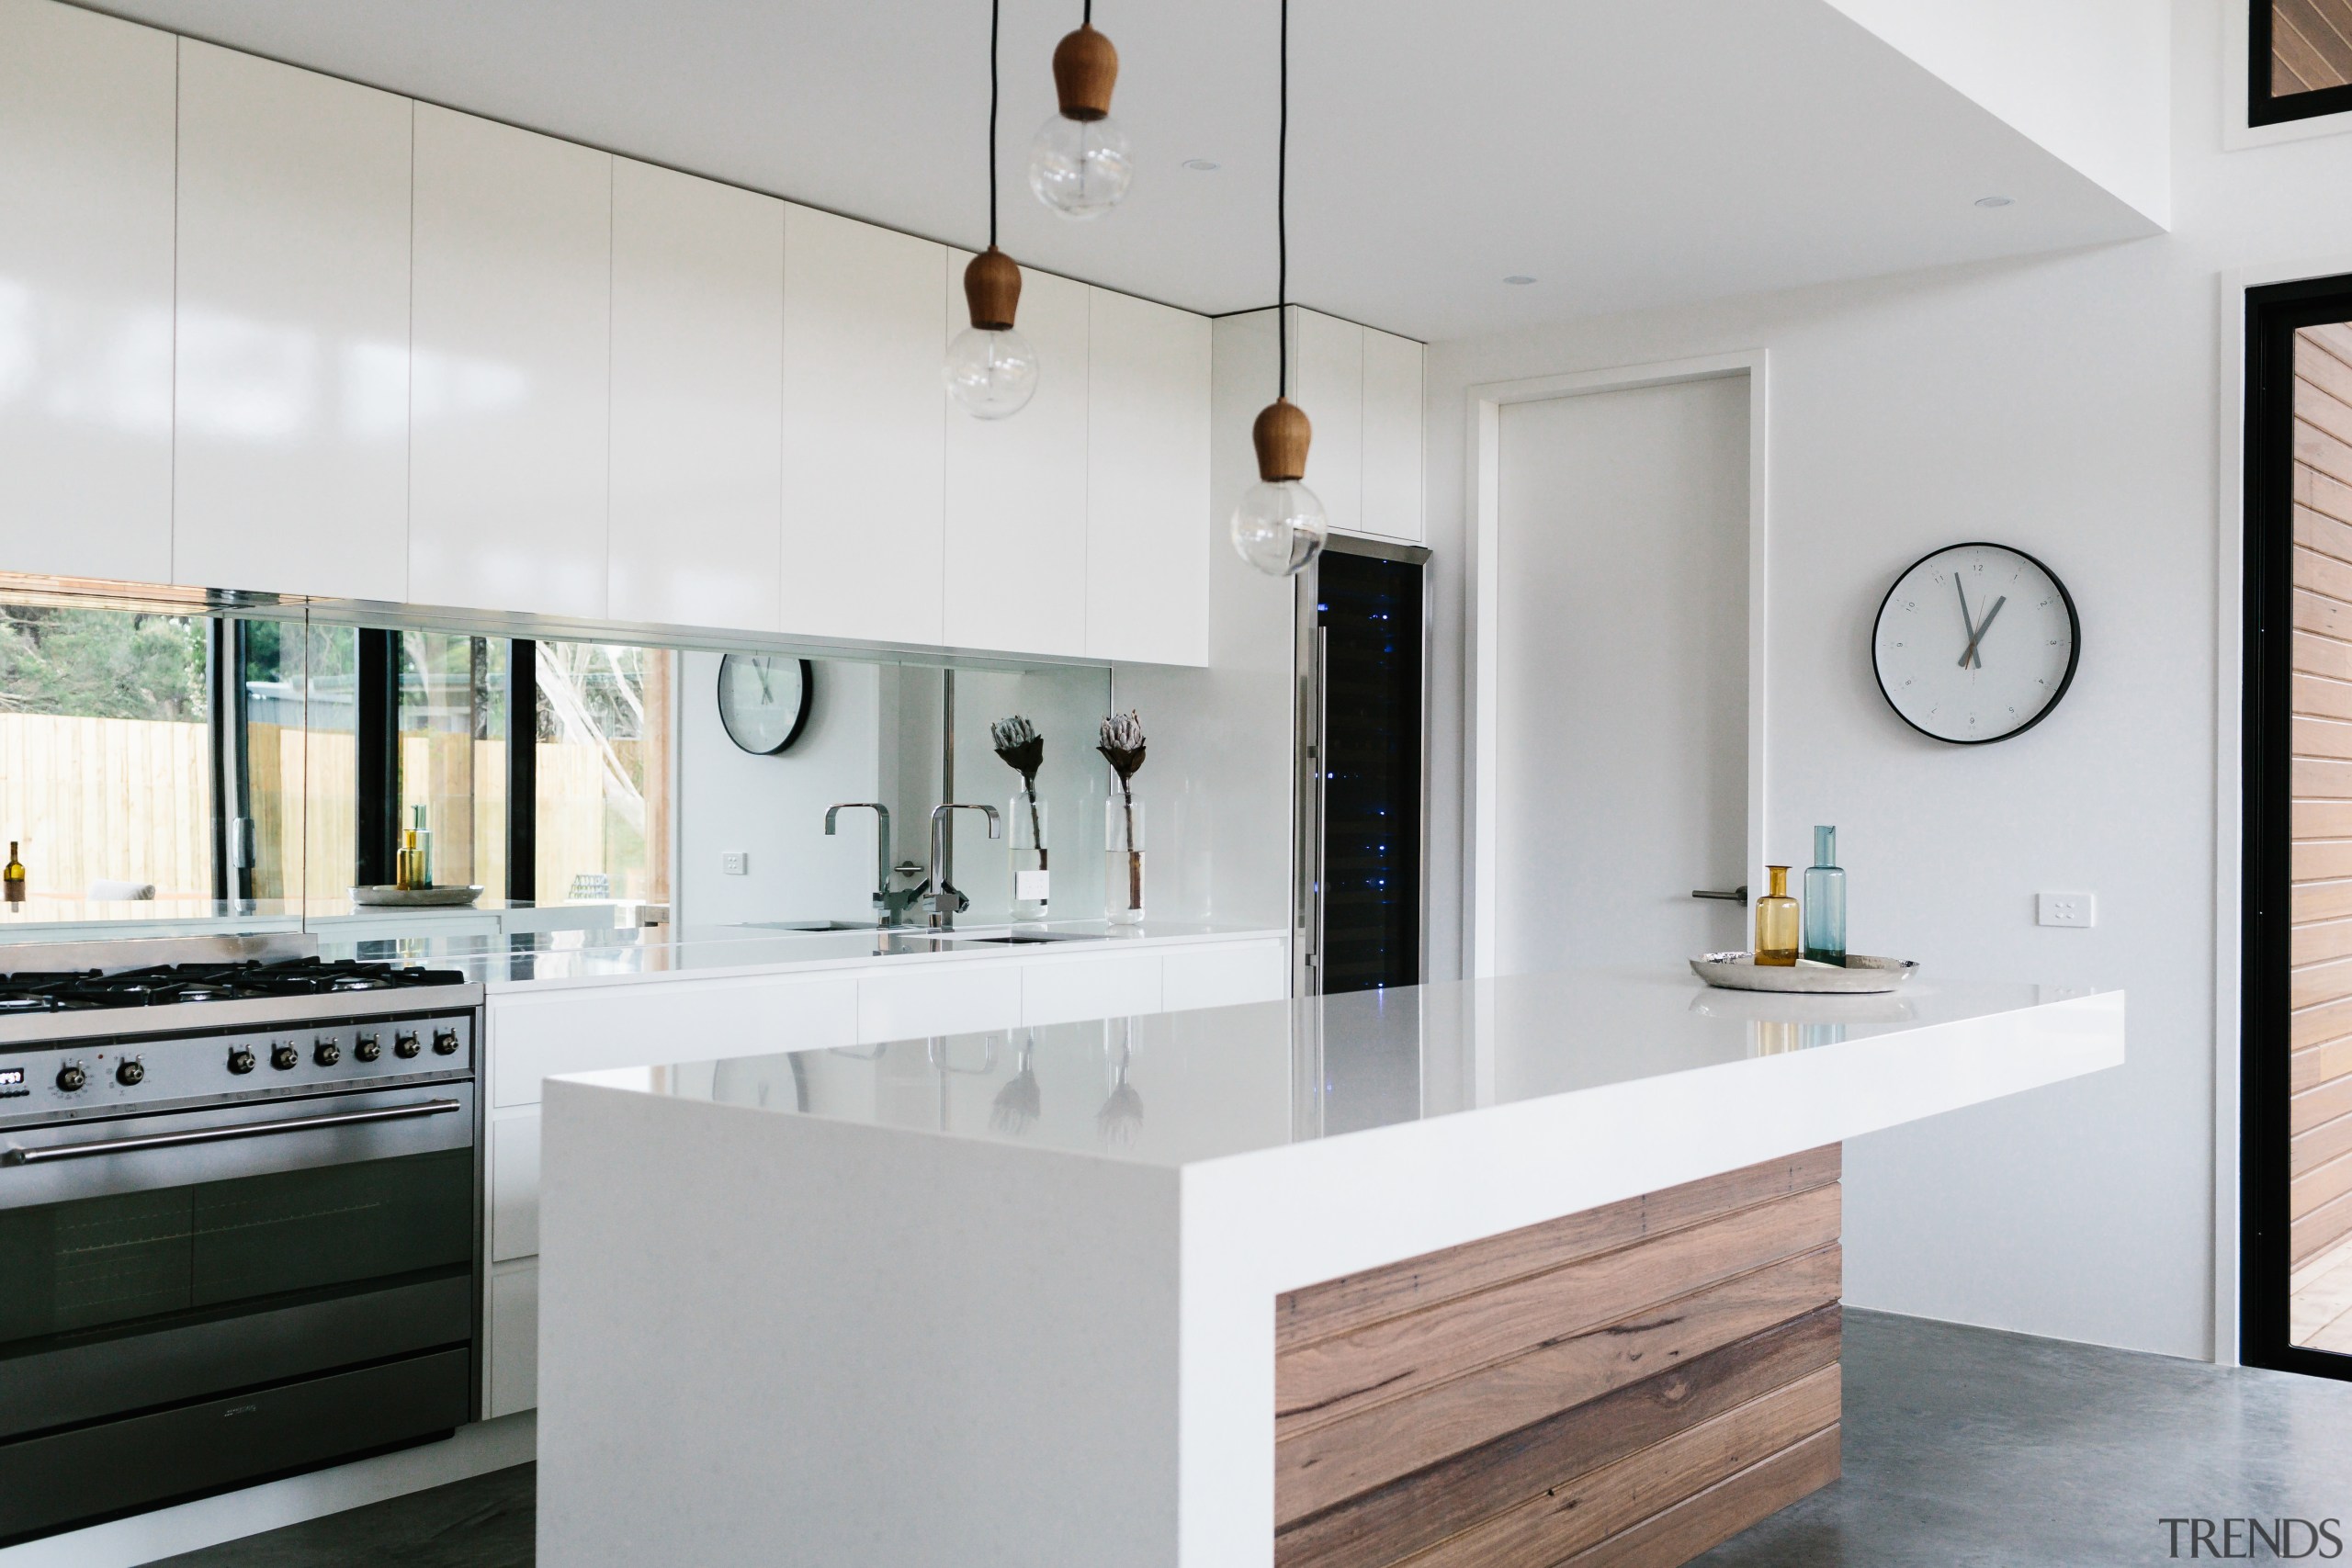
167 983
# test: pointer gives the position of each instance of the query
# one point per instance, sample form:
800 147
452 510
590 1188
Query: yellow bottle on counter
1777 929
14 877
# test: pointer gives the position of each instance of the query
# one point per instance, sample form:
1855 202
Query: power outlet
735 863
2076 910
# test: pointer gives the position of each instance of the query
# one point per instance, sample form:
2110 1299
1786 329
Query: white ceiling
1623 153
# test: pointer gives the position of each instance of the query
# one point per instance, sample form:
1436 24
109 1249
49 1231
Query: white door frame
1481 853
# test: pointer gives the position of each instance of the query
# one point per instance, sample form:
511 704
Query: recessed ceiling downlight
1993 201
1201 165
1519 279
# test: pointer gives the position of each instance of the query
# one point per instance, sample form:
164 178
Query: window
2300 59
184 762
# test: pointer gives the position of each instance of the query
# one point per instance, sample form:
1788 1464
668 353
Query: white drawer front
660 1022
1224 976
514 1339
950 999
513 1186
1070 990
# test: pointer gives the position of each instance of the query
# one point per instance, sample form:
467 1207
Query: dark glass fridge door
1363 764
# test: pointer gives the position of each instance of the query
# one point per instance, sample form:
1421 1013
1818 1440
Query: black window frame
2273 316
2264 107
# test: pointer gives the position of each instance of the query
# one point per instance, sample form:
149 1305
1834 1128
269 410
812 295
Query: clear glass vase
1026 842
1122 859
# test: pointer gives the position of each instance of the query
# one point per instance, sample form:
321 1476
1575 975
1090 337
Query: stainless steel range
240 1192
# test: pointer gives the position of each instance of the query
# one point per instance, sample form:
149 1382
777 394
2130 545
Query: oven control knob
368 1047
71 1078
404 1044
326 1052
284 1057
240 1059
129 1072
445 1041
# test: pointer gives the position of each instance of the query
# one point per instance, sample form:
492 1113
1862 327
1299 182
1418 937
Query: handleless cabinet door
865 430
86 294
1327 380
698 401
512 369
1016 488
292 331
1392 436
1147 523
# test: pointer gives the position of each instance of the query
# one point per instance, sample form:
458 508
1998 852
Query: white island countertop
1103 1215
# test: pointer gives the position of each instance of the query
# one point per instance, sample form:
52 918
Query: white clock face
764 700
1976 643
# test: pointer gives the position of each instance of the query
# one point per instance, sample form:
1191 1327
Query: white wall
2070 405
1219 778
2088 79
774 807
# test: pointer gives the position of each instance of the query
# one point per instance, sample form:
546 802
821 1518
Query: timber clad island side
1532 1271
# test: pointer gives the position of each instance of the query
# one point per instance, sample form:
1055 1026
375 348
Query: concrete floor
1964 1448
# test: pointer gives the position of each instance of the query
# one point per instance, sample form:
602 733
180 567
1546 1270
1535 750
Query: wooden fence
131 799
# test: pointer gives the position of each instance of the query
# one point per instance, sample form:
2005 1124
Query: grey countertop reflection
1175 1089
588 957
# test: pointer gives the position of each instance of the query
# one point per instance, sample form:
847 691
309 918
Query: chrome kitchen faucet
945 903
890 905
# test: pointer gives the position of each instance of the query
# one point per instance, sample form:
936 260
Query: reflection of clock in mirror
1975 642
764 700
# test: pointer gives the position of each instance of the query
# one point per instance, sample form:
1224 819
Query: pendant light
991 370
1280 525
1080 164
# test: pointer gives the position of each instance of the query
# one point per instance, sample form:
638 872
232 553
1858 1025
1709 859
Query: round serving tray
1862 975
382 897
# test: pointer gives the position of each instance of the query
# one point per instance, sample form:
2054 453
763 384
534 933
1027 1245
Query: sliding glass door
2296 1176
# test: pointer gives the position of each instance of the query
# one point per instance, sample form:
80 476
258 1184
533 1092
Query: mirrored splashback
168 770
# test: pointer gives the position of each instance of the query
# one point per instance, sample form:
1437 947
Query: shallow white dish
414 897
1862 975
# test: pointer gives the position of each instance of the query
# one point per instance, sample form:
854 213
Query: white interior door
1619 657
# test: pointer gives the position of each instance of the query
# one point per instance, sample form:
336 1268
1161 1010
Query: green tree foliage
101 663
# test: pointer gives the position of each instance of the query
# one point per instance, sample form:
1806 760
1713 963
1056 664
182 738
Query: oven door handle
221 1134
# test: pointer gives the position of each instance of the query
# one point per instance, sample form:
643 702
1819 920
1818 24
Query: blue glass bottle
1824 901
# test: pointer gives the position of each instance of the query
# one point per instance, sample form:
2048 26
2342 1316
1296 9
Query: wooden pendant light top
1085 70
1281 436
993 288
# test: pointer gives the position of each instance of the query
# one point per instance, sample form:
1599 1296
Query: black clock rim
799 720
2074 648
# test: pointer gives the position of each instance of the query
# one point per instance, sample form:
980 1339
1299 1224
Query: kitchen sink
809 925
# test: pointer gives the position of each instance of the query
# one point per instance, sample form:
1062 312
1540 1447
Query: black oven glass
140 1261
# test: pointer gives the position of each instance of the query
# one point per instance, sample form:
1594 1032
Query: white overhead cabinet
1016 488
1327 380
865 430
1147 531
697 462
86 294
1362 388
510 374
292 363
1392 436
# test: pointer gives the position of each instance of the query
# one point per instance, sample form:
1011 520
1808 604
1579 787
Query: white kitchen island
1525 1270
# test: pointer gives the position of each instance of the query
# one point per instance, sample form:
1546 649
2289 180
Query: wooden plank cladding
1608 1387
2320 780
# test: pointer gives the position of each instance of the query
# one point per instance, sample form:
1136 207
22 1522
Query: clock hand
1979 634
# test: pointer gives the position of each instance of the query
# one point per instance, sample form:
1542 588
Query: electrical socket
735 863
2078 909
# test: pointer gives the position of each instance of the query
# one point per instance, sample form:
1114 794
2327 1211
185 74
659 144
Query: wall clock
764 700
1975 642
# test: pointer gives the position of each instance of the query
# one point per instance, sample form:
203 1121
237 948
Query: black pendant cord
1282 221
996 13
1088 18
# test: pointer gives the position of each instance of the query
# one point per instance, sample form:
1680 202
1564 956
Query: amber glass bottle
1776 921
15 876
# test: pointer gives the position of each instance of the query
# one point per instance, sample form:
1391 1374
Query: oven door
161 1263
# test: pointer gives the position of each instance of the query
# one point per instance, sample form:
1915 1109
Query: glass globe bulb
990 371
1081 168
1278 526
